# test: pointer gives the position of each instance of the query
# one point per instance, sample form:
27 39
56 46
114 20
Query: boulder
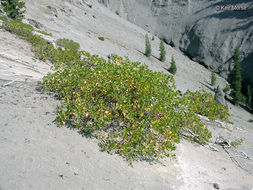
48 39
220 96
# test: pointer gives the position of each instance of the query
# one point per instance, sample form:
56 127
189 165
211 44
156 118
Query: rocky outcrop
206 31
220 96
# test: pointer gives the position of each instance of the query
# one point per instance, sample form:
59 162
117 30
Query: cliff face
207 31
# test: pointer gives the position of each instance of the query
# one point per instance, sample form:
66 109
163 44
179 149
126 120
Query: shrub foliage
130 109
204 104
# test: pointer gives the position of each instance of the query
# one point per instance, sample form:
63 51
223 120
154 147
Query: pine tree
173 67
13 8
236 79
148 47
213 79
162 51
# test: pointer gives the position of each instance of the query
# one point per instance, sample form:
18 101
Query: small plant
213 79
153 38
148 46
237 142
236 79
13 8
101 38
173 67
162 51
68 44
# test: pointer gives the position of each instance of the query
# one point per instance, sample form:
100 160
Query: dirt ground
35 154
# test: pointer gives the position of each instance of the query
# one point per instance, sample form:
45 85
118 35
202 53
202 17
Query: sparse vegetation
236 79
237 142
213 79
162 51
101 38
14 9
173 67
130 109
148 46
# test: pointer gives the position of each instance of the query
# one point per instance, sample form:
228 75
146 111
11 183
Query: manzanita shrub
203 103
130 109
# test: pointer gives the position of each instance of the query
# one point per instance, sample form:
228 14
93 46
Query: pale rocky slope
201 29
35 154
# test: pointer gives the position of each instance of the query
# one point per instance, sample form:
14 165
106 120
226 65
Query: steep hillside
36 154
207 31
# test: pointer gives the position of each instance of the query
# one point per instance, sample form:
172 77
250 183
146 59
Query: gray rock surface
220 96
206 31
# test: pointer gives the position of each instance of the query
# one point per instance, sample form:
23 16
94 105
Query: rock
48 39
35 23
1 23
216 186
220 96
203 30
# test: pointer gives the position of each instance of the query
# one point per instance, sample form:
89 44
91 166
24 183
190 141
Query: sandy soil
35 154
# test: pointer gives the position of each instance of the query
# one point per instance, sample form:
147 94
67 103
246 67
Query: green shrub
204 104
18 28
129 108
173 67
148 46
101 38
162 51
237 142
213 79
153 38
43 50
13 8
68 44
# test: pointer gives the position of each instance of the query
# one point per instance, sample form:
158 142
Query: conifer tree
13 8
213 79
173 67
148 47
236 79
162 51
